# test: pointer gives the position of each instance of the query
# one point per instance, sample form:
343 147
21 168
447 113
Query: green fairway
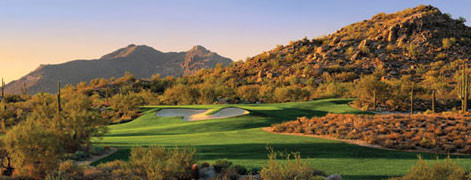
241 140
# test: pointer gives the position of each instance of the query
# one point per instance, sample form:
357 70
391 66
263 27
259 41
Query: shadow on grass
364 177
308 150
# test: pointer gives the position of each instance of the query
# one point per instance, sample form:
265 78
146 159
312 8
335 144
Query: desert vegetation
440 133
46 129
160 163
411 61
444 169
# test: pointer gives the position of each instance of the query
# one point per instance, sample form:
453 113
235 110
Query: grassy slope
240 140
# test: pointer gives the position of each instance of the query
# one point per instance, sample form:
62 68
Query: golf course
241 140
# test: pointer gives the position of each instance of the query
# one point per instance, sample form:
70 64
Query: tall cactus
374 100
466 88
463 88
412 99
433 101
3 126
3 89
25 91
59 108
107 95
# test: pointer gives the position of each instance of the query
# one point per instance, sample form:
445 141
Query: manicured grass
241 140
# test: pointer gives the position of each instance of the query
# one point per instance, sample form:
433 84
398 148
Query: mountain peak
130 50
198 48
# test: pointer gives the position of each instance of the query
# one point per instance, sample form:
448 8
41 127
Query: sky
34 32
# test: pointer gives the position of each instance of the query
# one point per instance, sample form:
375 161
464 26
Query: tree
370 90
125 107
180 94
207 94
249 93
5 160
74 125
34 150
78 123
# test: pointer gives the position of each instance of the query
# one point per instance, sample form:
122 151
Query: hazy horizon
50 32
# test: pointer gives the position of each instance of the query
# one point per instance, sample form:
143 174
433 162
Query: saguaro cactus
374 100
433 101
3 89
107 95
59 108
25 91
463 88
412 99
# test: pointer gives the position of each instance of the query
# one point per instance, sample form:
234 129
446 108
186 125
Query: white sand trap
201 114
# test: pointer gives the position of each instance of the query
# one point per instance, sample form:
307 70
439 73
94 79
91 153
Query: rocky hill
409 42
142 61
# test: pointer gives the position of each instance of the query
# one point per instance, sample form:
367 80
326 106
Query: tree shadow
365 177
318 150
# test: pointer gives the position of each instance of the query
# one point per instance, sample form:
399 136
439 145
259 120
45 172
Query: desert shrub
97 150
293 168
125 107
158 162
290 93
80 155
441 55
180 94
446 169
204 165
332 89
249 93
207 94
350 51
240 169
228 174
221 165
34 150
434 132
68 170
117 169
371 86
412 50
448 42
255 170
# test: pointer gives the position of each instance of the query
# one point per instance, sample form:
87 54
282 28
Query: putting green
240 139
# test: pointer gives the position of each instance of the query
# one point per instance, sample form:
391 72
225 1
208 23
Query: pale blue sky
34 32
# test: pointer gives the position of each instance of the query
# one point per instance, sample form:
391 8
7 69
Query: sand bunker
201 114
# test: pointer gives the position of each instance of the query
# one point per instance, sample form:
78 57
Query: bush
69 170
291 169
97 150
80 155
204 165
249 93
442 133
446 169
158 162
240 169
221 165
255 170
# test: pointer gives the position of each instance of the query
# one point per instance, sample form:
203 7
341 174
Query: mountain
409 42
142 61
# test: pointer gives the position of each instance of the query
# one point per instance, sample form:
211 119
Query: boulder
334 177
208 173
